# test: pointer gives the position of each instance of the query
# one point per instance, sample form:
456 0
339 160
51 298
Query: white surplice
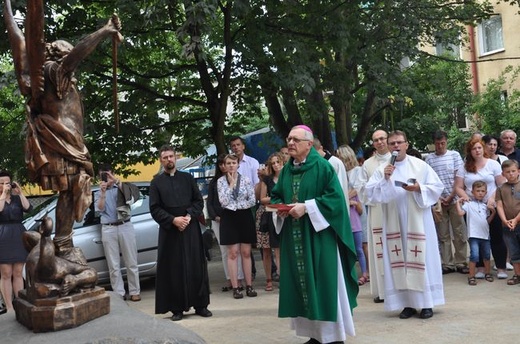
380 190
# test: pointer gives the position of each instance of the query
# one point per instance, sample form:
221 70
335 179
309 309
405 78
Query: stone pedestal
59 313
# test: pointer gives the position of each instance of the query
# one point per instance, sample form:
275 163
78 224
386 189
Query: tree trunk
320 124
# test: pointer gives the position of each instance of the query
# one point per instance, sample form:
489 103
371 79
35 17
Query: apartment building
494 45
491 46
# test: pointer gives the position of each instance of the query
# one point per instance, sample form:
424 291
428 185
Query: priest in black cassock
182 273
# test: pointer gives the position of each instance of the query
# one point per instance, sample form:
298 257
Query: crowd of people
313 215
410 219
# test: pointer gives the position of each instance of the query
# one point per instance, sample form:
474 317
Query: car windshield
41 206
91 217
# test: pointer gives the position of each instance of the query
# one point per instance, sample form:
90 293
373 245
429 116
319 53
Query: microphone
393 157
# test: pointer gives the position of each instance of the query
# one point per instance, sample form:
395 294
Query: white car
87 234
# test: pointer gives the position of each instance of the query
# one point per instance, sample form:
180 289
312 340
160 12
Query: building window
490 35
450 49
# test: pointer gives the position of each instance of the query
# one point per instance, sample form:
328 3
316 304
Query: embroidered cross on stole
297 239
407 254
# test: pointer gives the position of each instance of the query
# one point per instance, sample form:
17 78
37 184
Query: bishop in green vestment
318 282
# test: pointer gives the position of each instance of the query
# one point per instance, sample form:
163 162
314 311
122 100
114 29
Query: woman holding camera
12 252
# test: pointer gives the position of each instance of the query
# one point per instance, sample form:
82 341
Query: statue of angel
56 155
55 152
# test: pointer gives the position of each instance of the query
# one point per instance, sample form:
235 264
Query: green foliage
498 107
457 139
12 119
193 72
440 97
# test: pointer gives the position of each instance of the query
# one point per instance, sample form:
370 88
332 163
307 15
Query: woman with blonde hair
267 238
357 210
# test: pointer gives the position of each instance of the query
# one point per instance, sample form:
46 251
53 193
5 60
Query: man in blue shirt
117 233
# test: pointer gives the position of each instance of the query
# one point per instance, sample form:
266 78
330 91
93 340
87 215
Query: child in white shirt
478 217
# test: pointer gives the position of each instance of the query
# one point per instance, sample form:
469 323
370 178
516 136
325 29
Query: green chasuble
309 264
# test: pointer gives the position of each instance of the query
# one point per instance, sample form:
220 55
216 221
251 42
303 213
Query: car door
87 236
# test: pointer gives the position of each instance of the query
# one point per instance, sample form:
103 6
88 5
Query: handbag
266 222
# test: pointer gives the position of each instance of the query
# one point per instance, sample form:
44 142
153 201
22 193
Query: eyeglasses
380 139
396 143
295 139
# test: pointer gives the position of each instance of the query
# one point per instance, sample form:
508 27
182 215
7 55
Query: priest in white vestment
375 214
412 265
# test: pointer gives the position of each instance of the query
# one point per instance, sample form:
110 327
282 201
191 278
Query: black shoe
3 309
446 270
237 294
312 341
463 270
378 300
275 277
426 313
250 291
177 316
407 313
203 312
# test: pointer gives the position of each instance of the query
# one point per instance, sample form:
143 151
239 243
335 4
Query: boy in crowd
478 217
508 208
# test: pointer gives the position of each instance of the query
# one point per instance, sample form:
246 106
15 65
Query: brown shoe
135 298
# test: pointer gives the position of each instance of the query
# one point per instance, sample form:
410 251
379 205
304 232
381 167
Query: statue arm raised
87 45
18 47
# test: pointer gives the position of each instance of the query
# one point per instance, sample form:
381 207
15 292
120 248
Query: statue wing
35 41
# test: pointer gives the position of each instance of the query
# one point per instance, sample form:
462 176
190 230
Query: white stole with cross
375 214
407 267
406 247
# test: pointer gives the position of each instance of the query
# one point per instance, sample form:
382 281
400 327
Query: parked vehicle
87 234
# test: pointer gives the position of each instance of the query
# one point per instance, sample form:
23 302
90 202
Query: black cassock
182 272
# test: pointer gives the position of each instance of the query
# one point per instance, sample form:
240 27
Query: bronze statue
49 275
56 155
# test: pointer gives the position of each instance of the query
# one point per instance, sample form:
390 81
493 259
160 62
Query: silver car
87 234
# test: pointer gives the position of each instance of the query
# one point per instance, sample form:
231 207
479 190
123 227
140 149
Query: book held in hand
278 207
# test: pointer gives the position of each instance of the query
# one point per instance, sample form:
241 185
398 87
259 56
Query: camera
104 177
13 186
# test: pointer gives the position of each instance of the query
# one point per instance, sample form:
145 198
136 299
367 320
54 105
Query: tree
352 51
438 96
174 80
498 107
12 118
198 70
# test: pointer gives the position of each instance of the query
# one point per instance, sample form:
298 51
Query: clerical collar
171 174
299 164
381 157
327 155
